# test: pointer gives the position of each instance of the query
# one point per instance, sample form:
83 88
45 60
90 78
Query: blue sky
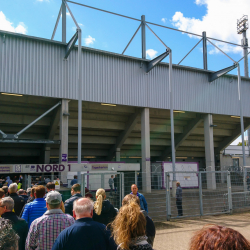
108 32
112 33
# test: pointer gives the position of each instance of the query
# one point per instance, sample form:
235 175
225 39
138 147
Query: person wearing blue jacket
143 202
85 233
37 208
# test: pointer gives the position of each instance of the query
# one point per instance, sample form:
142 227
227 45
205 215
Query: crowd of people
34 219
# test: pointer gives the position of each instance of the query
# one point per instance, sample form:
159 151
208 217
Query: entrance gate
94 181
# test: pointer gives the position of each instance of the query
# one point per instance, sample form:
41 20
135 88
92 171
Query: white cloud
8 26
219 21
80 24
239 140
151 53
67 13
42 0
164 20
89 40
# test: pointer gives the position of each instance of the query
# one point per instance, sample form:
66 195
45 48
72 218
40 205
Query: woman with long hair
104 212
129 228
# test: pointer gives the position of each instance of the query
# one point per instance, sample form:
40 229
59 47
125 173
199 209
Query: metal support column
64 136
83 184
204 49
244 42
200 194
79 97
229 191
102 181
168 197
29 181
241 117
52 176
209 151
145 151
136 178
63 22
25 182
47 155
122 186
118 154
143 37
172 122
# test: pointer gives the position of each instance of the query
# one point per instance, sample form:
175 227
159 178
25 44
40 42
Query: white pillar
64 131
47 155
145 151
209 151
118 154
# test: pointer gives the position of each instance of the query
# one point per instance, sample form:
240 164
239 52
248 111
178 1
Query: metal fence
203 192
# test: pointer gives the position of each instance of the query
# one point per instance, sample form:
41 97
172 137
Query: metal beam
71 45
187 130
57 21
3 134
155 61
131 39
236 133
222 51
204 38
143 37
40 117
63 22
213 76
54 124
190 51
71 14
50 135
133 120
29 141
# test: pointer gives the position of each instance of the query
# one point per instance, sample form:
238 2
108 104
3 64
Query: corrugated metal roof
34 66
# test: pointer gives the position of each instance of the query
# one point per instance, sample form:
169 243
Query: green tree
240 143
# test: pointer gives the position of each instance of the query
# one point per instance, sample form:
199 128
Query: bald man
143 202
84 232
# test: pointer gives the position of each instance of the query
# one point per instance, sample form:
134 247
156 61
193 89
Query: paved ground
176 234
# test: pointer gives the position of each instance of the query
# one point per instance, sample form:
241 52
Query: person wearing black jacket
19 201
19 225
21 193
103 212
30 199
150 226
76 194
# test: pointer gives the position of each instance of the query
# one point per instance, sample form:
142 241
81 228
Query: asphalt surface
176 234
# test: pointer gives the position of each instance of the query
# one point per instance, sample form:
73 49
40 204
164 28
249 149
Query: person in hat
44 230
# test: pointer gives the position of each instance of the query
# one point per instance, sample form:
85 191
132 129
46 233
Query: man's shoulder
140 195
73 197
64 216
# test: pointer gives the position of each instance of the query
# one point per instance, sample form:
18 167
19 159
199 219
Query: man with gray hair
85 233
19 201
19 225
45 229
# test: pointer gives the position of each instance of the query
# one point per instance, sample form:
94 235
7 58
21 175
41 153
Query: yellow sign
57 184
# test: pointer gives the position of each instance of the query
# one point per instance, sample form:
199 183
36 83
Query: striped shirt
45 229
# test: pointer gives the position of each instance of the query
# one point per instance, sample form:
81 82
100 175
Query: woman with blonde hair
129 228
104 212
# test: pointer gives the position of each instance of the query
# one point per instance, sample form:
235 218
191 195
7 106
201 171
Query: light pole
242 26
